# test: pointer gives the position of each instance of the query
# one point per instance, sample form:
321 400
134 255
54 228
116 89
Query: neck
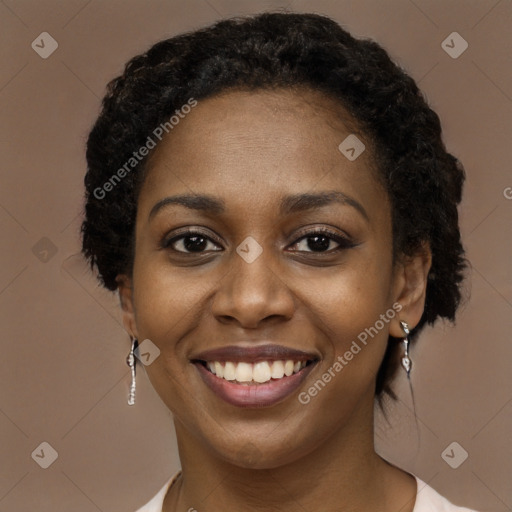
343 473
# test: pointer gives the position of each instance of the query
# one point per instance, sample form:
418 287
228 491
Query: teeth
219 370
260 372
277 371
243 372
229 371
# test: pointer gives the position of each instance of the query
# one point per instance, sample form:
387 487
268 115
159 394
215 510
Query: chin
262 454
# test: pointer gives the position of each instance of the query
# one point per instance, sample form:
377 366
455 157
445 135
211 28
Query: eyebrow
289 204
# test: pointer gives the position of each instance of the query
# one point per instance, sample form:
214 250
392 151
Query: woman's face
258 278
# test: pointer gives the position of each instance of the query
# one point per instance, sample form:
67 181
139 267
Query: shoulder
429 500
156 503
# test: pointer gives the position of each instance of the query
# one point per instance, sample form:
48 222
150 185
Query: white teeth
229 371
219 370
277 370
262 371
243 372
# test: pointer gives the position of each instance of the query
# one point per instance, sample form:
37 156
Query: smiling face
264 165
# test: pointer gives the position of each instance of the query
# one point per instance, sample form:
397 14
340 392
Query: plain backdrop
62 367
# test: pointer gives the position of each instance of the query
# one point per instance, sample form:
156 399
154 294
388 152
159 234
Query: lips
255 376
254 354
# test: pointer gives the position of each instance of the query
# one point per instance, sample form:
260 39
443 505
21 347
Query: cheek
351 298
166 300
356 340
167 310
352 308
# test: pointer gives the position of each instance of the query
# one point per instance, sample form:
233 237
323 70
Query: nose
252 294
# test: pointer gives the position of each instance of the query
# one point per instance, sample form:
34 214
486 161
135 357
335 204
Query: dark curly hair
284 50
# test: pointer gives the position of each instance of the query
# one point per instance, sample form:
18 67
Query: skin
250 150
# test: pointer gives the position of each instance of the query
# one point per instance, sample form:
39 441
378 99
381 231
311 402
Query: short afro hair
285 50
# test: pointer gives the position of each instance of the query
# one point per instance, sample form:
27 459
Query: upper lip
254 354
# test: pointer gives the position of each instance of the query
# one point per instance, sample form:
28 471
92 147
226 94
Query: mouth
254 376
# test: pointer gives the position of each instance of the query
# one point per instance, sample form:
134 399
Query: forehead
260 145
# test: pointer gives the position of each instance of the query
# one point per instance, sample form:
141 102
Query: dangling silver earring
406 360
130 361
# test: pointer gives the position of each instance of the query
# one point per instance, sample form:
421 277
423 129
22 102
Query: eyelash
344 242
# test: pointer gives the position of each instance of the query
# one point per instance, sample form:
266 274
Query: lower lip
254 395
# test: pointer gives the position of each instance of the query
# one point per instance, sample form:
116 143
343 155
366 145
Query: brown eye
191 242
321 241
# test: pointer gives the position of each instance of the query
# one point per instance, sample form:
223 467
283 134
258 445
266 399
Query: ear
125 289
410 288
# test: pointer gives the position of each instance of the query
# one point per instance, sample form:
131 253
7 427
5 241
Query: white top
427 499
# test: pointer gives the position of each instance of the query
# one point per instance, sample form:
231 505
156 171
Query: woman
275 206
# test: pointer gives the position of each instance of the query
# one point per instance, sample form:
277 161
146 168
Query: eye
190 242
321 241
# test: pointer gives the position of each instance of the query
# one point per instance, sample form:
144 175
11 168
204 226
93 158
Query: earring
130 361
406 361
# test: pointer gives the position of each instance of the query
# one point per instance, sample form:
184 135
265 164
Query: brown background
62 370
